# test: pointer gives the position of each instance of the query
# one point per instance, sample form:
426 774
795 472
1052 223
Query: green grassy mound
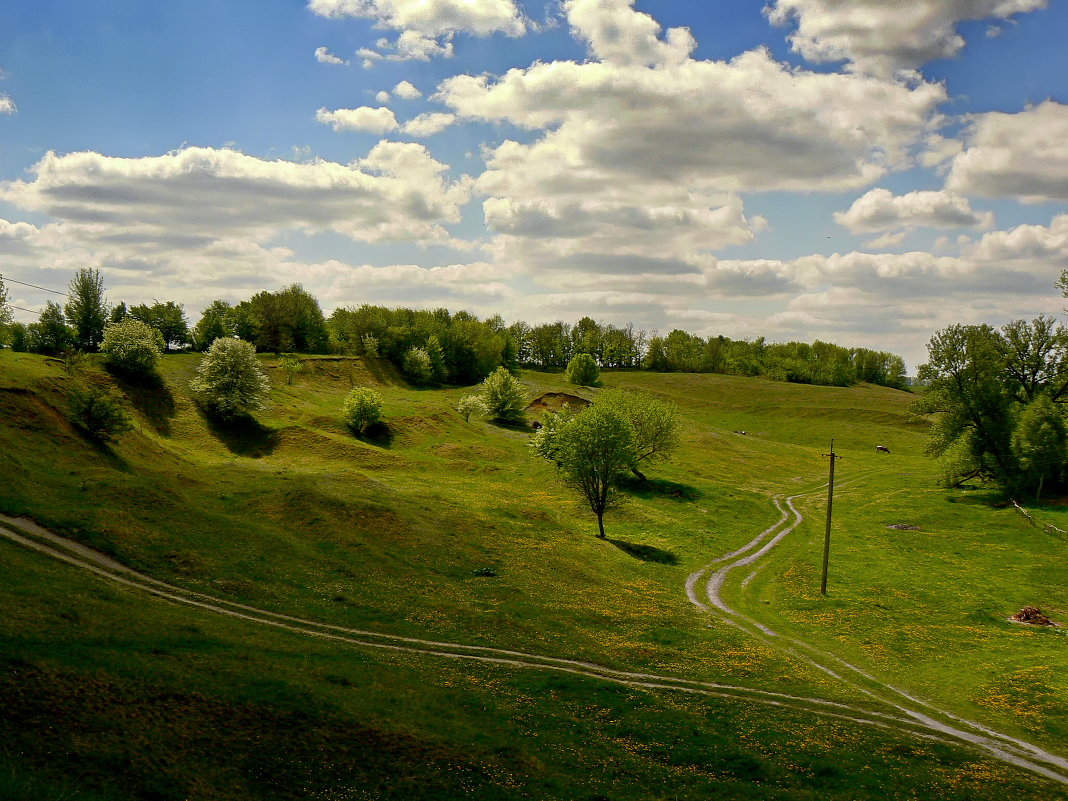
431 527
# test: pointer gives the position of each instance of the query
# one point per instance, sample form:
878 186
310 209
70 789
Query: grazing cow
882 449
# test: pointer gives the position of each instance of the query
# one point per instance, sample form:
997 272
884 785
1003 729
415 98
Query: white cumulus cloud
184 200
748 124
7 105
406 91
365 118
881 210
428 124
884 37
641 152
615 32
1022 155
324 56
431 17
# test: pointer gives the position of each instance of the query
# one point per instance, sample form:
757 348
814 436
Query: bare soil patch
555 402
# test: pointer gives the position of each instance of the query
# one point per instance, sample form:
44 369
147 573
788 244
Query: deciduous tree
229 381
167 318
654 424
362 407
86 308
504 396
50 333
132 347
1038 443
582 370
214 323
591 450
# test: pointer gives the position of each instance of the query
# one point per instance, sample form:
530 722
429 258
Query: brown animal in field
882 449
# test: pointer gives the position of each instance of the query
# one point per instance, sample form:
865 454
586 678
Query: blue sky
859 173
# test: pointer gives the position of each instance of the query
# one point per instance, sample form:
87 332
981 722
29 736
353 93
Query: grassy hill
114 693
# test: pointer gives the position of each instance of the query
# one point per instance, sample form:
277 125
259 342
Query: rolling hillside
427 613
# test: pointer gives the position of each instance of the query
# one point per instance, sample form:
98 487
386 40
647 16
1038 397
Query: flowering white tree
229 381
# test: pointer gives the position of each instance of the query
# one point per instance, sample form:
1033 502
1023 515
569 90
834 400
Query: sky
863 172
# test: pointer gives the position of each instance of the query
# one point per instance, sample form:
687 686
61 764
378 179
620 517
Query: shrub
229 381
504 396
74 362
470 405
582 370
132 346
98 412
362 408
292 365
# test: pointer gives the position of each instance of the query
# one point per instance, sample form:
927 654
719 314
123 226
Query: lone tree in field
229 381
86 309
363 407
504 396
582 370
655 425
591 450
132 347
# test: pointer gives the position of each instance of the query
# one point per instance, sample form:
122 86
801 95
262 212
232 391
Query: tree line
437 346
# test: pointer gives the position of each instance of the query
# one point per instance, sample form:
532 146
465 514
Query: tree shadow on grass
521 426
377 434
105 451
150 396
646 553
243 435
659 488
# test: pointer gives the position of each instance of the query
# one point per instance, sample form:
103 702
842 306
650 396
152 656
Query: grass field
112 693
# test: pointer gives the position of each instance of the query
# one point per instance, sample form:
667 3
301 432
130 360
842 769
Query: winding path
924 713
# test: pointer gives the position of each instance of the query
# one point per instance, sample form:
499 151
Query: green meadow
433 528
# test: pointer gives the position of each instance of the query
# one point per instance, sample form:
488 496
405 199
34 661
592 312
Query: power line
42 288
31 311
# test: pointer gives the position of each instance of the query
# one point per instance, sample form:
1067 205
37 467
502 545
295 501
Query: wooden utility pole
827 535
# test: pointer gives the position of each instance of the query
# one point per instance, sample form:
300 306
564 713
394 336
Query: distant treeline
457 347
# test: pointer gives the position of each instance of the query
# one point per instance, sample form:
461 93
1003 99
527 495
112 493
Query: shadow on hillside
243 436
659 488
377 434
512 425
150 396
646 553
384 371
105 451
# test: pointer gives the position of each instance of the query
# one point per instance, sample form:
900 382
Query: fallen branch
1025 513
